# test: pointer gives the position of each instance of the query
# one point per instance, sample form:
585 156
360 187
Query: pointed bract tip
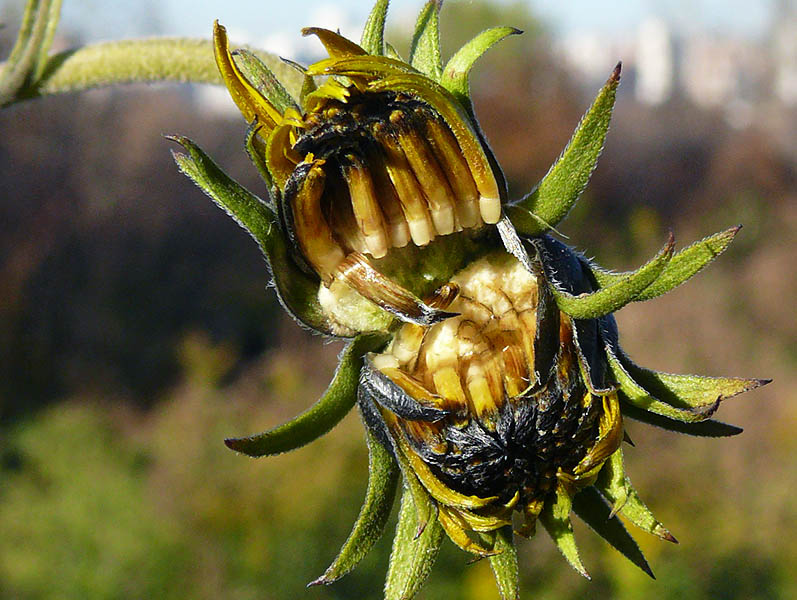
238 445
669 537
173 137
320 581
615 76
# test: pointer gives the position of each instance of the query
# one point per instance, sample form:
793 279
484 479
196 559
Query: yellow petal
250 102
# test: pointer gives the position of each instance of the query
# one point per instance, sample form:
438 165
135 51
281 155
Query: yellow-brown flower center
511 428
379 170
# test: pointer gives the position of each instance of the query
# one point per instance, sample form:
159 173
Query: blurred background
137 330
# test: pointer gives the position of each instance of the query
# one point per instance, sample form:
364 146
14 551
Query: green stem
134 61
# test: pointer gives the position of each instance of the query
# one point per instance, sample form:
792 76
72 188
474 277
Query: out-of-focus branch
29 72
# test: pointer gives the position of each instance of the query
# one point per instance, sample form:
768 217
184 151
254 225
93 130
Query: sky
280 20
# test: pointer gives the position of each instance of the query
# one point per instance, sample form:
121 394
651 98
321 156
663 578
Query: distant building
654 62
784 53
709 71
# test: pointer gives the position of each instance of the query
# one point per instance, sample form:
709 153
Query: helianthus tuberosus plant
483 355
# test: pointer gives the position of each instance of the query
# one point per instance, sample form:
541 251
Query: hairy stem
132 61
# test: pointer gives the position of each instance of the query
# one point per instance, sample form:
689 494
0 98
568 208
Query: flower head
484 357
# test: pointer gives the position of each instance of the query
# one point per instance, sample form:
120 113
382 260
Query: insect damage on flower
483 354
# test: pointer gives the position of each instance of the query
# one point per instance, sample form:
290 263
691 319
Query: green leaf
613 482
327 412
412 557
625 500
633 393
609 299
256 150
421 500
263 80
549 203
707 428
297 291
457 69
373 37
505 564
382 482
688 391
683 265
555 517
391 52
425 46
593 510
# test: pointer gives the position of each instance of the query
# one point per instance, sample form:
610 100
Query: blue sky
113 19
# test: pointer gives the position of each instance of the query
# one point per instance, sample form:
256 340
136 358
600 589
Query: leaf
425 507
412 557
688 391
593 510
327 412
612 481
558 191
609 299
297 291
505 564
425 46
455 75
683 265
391 52
555 517
373 37
631 392
382 482
256 150
617 489
707 428
263 80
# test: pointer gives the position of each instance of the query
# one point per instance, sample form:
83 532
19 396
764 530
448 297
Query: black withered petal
380 387
563 266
